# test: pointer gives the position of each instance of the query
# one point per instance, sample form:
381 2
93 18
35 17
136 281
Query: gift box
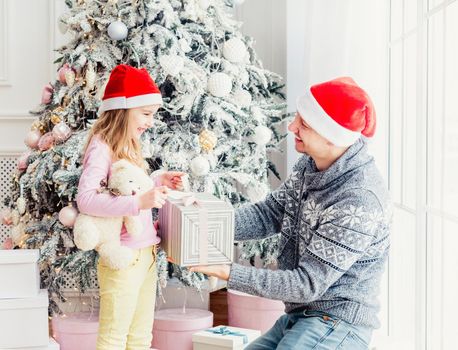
173 328
24 322
20 273
76 331
224 337
52 345
197 229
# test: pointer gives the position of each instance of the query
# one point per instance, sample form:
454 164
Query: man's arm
348 231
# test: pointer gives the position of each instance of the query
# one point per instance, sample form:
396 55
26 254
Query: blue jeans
313 330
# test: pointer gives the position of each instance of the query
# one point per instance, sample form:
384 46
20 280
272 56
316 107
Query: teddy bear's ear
120 165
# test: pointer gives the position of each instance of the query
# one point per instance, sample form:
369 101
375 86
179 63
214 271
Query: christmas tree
220 112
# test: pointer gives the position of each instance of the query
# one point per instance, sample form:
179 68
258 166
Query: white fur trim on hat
131 102
315 116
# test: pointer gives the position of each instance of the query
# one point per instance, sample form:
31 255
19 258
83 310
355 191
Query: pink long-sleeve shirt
97 167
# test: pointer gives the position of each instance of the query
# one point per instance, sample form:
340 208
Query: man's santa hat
129 87
339 110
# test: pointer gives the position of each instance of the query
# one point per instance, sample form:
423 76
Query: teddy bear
103 233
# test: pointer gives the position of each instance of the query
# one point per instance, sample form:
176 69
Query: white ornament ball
67 215
204 4
235 50
184 45
171 64
61 131
242 98
257 192
219 84
117 30
200 166
262 135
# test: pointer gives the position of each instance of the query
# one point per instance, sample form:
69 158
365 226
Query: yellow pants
127 300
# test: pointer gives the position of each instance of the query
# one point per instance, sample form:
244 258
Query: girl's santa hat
129 87
339 110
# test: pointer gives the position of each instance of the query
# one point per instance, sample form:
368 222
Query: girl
127 296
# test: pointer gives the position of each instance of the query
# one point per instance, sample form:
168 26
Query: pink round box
173 328
248 311
76 331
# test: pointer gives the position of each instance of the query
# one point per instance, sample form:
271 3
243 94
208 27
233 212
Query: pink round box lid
176 319
76 323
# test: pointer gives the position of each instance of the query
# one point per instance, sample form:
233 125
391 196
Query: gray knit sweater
334 241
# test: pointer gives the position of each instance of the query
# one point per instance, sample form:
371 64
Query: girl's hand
172 179
154 198
220 271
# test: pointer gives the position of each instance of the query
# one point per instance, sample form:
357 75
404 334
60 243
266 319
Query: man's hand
172 179
220 271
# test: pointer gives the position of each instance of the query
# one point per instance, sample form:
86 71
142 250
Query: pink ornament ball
46 141
8 244
61 72
67 216
5 216
22 161
32 139
61 131
46 95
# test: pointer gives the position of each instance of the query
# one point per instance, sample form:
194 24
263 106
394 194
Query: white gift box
197 229
24 322
223 337
19 273
53 345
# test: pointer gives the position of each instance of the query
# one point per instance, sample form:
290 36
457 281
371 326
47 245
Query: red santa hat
129 87
339 110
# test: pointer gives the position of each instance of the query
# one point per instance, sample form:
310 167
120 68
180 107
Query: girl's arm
96 168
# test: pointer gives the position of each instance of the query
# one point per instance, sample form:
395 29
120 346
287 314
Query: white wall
265 21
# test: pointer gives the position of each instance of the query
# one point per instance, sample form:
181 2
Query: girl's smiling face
140 119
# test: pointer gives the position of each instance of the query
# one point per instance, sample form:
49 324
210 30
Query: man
333 216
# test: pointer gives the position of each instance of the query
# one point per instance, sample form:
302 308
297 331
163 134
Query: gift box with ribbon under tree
224 337
197 229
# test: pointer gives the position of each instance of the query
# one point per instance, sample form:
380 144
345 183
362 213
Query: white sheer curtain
330 38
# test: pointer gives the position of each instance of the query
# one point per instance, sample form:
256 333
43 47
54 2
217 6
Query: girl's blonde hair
113 128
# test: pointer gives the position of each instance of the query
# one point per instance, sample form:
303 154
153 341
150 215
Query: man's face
306 139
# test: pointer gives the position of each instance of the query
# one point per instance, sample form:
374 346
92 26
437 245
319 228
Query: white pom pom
257 191
242 98
200 166
117 30
235 50
262 135
171 64
219 84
